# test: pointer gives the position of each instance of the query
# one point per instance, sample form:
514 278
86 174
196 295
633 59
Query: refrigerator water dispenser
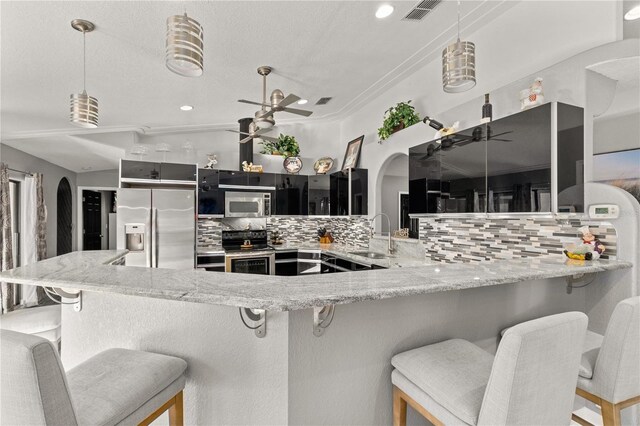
134 236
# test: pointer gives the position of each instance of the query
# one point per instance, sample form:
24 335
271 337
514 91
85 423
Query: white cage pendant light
83 108
459 64
184 46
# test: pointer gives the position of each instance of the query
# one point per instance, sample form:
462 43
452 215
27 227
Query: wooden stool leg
399 408
610 414
176 411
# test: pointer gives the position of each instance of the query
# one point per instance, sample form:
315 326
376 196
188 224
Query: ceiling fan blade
299 111
262 131
244 101
266 114
247 139
291 98
235 131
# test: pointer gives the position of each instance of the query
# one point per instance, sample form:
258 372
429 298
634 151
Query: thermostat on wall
604 211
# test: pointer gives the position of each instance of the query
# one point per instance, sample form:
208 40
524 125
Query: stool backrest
534 374
616 376
33 385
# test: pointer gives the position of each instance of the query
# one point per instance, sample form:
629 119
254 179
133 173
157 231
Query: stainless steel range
247 252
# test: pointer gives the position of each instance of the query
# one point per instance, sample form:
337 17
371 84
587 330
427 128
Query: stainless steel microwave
247 204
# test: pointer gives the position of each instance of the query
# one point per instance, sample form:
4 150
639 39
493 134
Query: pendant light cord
458 20
84 61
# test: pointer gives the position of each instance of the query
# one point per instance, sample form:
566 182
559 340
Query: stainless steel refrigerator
158 227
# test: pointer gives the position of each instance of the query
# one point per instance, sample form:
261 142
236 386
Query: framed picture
620 168
352 155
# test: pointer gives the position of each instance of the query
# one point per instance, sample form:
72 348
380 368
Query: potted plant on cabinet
286 146
397 118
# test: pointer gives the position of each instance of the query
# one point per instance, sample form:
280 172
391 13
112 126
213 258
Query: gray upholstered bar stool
530 381
610 368
115 387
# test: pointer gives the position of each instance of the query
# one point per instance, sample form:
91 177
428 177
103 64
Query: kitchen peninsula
194 315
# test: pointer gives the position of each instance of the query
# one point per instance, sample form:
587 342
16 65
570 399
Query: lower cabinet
311 262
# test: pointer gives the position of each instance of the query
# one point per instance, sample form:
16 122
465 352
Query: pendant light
459 64
184 46
84 108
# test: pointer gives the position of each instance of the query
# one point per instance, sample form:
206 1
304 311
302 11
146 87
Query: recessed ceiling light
632 14
86 168
384 11
302 101
186 107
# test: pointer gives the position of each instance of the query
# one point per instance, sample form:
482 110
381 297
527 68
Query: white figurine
213 160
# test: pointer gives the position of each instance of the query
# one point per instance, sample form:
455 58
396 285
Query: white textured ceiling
317 48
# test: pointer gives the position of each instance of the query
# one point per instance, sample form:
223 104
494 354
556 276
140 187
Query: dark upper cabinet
168 172
570 148
210 197
233 177
292 195
463 185
349 192
319 195
447 175
262 179
504 166
178 172
519 162
139 170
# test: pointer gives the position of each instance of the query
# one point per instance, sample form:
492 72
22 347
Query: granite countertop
90 271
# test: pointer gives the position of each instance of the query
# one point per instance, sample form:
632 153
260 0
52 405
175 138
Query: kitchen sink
369 254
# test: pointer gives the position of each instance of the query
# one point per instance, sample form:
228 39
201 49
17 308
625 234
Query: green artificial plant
397 118
287 146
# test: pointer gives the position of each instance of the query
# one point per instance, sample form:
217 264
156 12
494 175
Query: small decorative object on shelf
401 233
588 248
397 118
250 167
352 155
276 238
212 160
323 165
440 129
533 96
325 236
292 165
487 110
286 145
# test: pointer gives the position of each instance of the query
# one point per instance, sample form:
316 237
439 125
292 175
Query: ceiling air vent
421 10
323 101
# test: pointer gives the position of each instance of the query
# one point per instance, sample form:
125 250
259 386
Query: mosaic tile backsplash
480 239
346 230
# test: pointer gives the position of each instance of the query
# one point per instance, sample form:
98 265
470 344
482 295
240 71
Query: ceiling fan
254 132
278 103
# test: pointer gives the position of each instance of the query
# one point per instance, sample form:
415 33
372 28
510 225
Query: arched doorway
64 223
394 186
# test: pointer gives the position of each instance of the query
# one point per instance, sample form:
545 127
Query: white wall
102 178
616 133
316 138
505 65
52 175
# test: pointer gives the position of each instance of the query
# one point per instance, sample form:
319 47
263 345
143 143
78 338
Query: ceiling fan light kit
184 53
459 64
83 108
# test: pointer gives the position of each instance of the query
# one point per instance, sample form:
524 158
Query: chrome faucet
373 219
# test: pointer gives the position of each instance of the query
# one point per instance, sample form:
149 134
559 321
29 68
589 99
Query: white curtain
30 239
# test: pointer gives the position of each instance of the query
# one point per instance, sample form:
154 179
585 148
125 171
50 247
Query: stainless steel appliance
247 252
247 204
157 226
